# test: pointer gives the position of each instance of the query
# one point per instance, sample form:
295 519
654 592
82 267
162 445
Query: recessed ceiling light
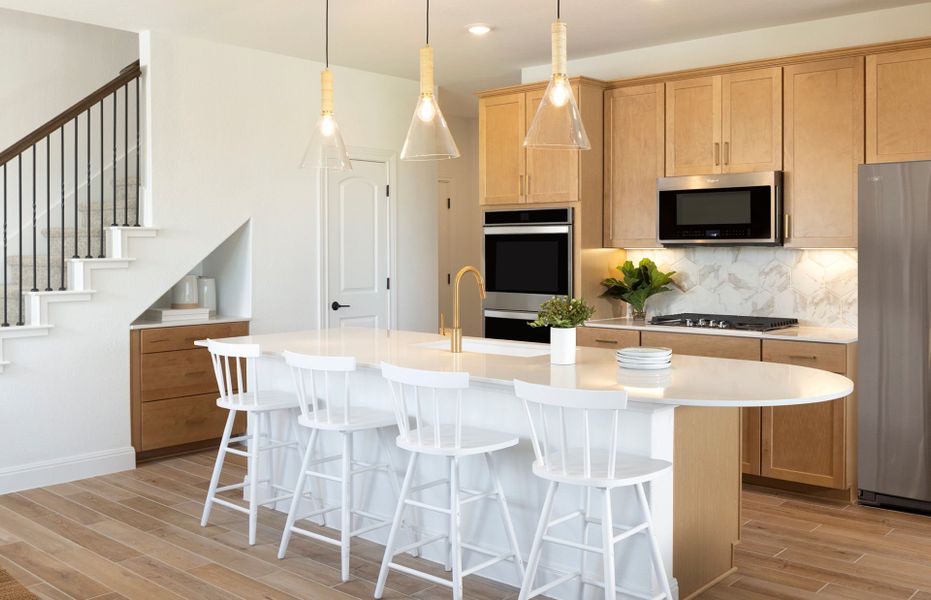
479 28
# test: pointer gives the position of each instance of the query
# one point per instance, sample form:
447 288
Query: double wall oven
528 259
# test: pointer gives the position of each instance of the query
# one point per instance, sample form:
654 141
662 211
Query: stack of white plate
644 358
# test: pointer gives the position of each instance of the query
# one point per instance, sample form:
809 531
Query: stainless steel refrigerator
894 373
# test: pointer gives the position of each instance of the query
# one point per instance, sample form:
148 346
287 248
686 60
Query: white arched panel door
358 246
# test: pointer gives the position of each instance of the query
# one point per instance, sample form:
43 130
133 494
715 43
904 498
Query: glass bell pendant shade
428 137
326 149
557 123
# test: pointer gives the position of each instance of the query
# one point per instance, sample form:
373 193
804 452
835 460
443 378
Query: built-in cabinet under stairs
71 204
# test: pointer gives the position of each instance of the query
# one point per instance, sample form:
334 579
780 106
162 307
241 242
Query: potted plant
562 315
639 283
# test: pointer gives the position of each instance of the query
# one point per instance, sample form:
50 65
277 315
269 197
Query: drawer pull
601 341
195 373
804 356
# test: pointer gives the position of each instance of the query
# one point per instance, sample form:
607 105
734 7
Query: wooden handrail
126 75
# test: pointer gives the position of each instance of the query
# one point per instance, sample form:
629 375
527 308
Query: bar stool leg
346 511
658 565
449 542
505 514
586 524
271 465
252 469
395 482
455 531
607 533
533 561
296 499
395 525
218 467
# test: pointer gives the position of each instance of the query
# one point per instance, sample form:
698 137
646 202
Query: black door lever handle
336 305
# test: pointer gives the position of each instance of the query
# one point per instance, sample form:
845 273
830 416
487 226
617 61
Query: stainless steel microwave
736 209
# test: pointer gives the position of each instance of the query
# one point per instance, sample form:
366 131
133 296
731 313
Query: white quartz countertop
143 324
830 335
691 381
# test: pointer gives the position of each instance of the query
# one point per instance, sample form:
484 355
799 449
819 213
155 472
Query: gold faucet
456 331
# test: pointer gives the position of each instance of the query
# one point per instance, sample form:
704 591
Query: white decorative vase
562 345
184 293
207 294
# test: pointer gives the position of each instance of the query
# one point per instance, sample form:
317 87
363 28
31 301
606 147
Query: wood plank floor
137 535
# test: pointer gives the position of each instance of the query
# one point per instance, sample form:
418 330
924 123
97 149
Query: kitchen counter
687 414
215 320
828 335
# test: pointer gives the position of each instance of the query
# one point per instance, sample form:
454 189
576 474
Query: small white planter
562 345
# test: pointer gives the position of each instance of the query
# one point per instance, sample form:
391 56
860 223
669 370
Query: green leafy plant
639 283
563 312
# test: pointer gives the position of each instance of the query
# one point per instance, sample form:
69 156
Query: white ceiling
383 35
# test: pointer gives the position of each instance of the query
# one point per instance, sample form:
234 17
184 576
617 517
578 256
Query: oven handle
527 229
512 314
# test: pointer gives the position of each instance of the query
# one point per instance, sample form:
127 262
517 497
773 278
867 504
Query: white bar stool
321 413
436 399
243 394
561 423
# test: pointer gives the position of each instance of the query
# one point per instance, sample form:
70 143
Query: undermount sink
491 347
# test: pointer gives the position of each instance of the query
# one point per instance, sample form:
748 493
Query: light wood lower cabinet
812 443
173 390
602 337
716 346
750 442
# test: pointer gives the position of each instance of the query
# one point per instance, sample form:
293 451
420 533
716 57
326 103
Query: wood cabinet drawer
716 346
165 339
600 337
179 421
176 374
829 357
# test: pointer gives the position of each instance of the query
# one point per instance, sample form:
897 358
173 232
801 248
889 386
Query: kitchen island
686 414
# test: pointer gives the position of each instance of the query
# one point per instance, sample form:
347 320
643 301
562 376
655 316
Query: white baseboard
63 470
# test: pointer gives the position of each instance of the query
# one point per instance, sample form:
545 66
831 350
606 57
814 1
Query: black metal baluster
6 321
126 154
102 243
19 165
75 191
62 208
138 149
35 220
48 213
113 168
87 192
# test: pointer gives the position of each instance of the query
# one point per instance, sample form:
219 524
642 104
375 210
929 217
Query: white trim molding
63 470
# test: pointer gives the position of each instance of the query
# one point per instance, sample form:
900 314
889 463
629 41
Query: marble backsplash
818 287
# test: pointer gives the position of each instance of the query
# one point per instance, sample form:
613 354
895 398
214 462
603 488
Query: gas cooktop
723 321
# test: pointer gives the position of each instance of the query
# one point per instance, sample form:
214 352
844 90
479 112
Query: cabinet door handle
600 341
727 152
785 227
521 185
717 154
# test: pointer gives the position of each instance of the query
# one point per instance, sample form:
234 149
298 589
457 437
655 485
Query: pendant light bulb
327 125
557 124
428 137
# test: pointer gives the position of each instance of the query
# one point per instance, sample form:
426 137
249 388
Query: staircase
70 197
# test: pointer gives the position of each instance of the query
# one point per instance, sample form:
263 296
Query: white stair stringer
37 304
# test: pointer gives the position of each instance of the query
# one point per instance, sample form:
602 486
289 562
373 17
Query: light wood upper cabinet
552 175
898 106
725 123
751 121
634 120
823 149
693 126
501 149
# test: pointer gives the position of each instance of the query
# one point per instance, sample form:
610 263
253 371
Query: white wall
837 32
49 64
227 128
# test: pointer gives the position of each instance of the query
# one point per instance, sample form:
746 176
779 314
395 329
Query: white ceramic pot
562 345
184 293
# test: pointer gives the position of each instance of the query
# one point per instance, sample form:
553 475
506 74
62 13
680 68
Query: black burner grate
731 321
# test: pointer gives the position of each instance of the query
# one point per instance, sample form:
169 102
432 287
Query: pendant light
326 149
557 123
428 137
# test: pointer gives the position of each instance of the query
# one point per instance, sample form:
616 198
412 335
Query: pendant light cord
326 34
428 22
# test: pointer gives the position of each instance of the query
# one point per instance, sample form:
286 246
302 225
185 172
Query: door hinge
388 283
448 204
388 190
